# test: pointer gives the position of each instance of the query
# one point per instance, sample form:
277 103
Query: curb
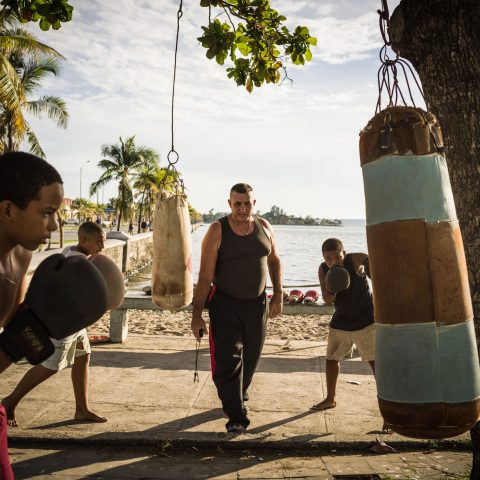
237 443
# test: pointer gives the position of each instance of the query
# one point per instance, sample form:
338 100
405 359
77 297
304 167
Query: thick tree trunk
121 201
441 38
140 212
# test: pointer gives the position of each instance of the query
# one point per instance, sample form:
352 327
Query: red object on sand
311 296
98 339
295 296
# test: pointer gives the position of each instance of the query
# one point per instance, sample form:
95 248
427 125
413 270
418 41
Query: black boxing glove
64 296
25 337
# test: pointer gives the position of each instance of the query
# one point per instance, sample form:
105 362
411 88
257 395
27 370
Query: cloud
286 140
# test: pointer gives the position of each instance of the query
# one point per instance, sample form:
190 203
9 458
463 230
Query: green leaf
221 56
243 48
44 24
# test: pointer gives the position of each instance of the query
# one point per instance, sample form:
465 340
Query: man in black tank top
237 251
352 322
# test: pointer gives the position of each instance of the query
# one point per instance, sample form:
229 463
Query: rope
173 156
390 69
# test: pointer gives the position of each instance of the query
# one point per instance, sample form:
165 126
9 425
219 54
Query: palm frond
18 40
107 164
105 178
53 107
112 151
33 143
11 92
34 71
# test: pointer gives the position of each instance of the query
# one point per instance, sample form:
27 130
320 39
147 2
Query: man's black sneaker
246 397
236 428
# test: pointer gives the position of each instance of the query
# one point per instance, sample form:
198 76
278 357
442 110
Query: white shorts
340 343
66 350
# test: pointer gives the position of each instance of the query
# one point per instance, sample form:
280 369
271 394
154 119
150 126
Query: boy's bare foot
324 405
10 411
88 416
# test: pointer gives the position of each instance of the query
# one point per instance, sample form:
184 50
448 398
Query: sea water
300 249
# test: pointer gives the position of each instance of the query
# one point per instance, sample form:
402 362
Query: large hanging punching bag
427 367
172 281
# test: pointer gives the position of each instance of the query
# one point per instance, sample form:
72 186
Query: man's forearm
275 271
201 291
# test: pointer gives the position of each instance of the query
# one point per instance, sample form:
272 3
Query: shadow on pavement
185 360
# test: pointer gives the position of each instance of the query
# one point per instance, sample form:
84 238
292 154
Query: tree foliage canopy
259 44
49 13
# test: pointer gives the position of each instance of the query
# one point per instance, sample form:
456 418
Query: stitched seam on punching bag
428 234
431 269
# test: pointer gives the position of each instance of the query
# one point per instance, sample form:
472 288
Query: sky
296 144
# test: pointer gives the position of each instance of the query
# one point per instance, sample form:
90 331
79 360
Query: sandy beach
284 327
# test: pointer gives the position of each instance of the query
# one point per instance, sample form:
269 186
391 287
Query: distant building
67 208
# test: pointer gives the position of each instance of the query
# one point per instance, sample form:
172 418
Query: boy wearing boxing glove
353 322
31 192
73 350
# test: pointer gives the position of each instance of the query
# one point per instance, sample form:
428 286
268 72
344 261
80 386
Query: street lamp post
88 161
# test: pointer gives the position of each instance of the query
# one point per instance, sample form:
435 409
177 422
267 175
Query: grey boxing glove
64 296
337 279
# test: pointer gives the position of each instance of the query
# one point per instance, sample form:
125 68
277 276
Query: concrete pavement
145 388
77 462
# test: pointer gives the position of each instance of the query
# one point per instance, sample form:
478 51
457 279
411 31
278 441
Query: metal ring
168 157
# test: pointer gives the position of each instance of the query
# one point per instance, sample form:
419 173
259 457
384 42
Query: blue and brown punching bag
427 368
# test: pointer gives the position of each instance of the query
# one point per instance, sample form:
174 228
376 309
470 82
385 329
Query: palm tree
15 129
149 177
84 207
16 46
122 159
145 183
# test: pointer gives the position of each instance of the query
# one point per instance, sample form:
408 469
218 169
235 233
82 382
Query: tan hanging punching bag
172 281
427 368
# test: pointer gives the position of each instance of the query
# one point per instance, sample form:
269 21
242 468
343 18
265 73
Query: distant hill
277 216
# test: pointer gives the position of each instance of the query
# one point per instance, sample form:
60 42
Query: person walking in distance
237 252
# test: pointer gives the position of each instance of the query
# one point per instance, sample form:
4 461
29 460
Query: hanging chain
384 22
197 351
390 69
173 155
